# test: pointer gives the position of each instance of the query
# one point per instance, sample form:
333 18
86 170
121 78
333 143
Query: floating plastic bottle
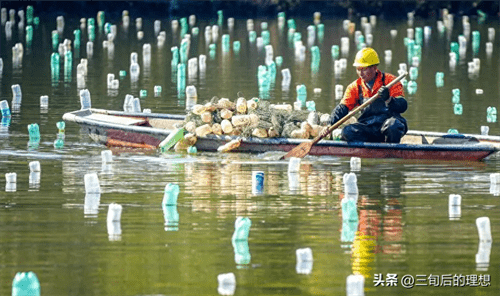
485 130
4 16
413 73
59 143
225 43
257 182
181 78
25 284
16 94
127 103
55 40
90 49
439 79
146 54
388 56
241 228
301 94
355 163
484 229
106 156
134 70
85 100
191 96
4 106
227 284
114 212
136 105
34 179
339 91
418 35
285 82
452 131
11 177
113 222
491 34
157 90
61 125
454 206
350 184
170 194
279 61
29 14
92 183
311 105
294 165
34 132
34 166
458 109
304 261
355 285
491 114
412 87
44 102
29 35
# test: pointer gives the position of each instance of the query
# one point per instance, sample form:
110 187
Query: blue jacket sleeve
398 105
340 111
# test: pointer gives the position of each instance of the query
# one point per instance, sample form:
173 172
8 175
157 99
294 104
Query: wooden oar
304 148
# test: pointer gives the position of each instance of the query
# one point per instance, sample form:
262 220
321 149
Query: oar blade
299 151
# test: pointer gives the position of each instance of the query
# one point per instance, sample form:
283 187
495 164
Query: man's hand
384 93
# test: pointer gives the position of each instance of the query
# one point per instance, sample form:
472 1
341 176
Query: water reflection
91 205
34 180
171 216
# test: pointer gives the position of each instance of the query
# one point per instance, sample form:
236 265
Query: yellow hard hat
366 57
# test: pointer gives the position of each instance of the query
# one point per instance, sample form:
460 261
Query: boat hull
147 137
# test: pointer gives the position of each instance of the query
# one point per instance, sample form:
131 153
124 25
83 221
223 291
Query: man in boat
380 121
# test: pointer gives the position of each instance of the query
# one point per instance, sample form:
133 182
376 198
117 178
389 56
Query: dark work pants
391 131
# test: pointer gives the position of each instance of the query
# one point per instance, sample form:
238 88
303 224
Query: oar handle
356 110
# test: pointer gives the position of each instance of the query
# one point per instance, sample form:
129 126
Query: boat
148 130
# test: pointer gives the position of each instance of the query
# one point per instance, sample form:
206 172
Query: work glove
384 93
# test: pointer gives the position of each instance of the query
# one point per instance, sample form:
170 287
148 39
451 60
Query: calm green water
404 224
